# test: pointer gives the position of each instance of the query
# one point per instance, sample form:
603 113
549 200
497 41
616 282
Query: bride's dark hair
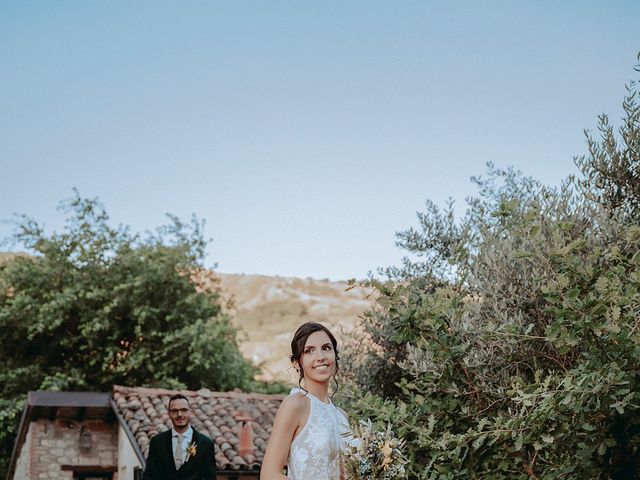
300 340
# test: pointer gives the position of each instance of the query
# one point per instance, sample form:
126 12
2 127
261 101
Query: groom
180 453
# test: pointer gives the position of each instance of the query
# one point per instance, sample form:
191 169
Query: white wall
23 464
127 459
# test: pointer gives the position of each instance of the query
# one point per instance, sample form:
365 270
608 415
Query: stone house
90 436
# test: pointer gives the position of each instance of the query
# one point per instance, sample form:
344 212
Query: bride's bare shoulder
296 403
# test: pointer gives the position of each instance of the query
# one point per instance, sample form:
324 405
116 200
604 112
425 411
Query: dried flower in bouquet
373 454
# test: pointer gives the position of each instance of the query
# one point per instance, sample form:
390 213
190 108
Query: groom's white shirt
186 440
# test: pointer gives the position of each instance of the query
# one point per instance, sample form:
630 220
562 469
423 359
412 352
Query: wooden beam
89 468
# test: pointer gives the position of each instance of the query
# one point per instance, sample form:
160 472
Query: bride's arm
289 417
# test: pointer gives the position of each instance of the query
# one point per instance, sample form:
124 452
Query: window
90 473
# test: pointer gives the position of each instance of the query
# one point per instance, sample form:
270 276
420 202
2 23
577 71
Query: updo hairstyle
300 340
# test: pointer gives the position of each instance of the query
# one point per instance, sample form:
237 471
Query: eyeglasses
175 411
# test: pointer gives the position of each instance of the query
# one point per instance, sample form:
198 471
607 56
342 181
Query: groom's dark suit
161 466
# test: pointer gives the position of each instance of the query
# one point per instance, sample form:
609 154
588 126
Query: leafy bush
97 306
507 345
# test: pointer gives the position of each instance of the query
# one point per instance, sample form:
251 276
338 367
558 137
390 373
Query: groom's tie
177 455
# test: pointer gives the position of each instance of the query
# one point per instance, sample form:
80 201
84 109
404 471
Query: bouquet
373 454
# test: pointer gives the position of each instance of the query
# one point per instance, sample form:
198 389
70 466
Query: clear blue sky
305 133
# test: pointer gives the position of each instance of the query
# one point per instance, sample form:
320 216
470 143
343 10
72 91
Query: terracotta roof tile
213 413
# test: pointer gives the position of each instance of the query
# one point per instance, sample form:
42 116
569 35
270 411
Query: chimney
246 436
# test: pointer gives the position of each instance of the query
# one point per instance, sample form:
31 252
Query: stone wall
50 445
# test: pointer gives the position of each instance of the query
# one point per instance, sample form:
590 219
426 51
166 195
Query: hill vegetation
269 309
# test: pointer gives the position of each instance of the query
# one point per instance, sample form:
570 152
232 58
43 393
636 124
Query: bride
309 430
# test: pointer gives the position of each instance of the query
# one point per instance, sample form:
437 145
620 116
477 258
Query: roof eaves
20 438
128 432
68 399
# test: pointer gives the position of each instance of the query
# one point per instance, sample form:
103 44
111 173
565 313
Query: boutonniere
192 449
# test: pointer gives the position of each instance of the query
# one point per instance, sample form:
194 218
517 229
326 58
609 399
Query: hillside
269 309
6 256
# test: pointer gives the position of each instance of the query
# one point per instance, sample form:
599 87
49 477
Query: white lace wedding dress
315 451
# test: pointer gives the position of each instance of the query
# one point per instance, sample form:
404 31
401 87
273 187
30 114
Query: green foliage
97 306
507 345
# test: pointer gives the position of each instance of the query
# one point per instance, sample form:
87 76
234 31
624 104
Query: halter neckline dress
315 451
